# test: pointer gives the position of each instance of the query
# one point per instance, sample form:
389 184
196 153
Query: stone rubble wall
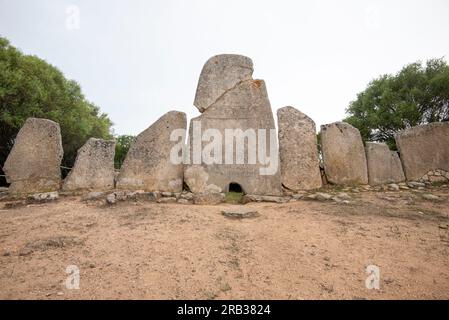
298 150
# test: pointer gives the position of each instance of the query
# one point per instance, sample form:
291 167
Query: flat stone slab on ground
343 154
33 165
208 198
424 148
235 108
257 198
43 197
240 213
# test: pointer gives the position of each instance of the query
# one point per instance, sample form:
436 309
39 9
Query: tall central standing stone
235 107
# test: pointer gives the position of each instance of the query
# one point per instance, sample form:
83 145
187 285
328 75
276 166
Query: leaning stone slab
423 149
208 198
343 154
33 165
94 167
384 165
43 197
220 74
298 151
148 165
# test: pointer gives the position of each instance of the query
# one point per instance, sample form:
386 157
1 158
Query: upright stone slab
384 165
94 167
148 165
240 107
220 74
424 148
298 150
34 162
343 154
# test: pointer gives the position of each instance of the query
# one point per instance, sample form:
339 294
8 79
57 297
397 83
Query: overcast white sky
140 59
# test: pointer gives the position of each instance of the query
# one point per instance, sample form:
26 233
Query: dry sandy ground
297 250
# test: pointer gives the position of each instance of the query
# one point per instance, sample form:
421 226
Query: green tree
418 94
123 143
30 87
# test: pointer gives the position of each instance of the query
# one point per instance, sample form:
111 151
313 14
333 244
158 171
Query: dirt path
297 250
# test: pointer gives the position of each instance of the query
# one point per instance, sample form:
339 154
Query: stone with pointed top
220 74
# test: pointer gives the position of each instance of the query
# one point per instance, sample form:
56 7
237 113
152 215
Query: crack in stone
225 92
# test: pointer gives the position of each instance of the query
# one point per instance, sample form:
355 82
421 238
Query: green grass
234 197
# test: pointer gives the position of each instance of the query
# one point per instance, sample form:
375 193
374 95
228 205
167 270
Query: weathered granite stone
167 200
94 167
43 197
424 148
242 113
184 201
432 197
34 162
298 151
240 213
220 74
384 165
343 154
208 198
257 198
148 165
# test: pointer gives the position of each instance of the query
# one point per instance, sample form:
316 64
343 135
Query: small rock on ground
240 213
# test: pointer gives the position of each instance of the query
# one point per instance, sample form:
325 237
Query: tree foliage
122 146
418 94
30 87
